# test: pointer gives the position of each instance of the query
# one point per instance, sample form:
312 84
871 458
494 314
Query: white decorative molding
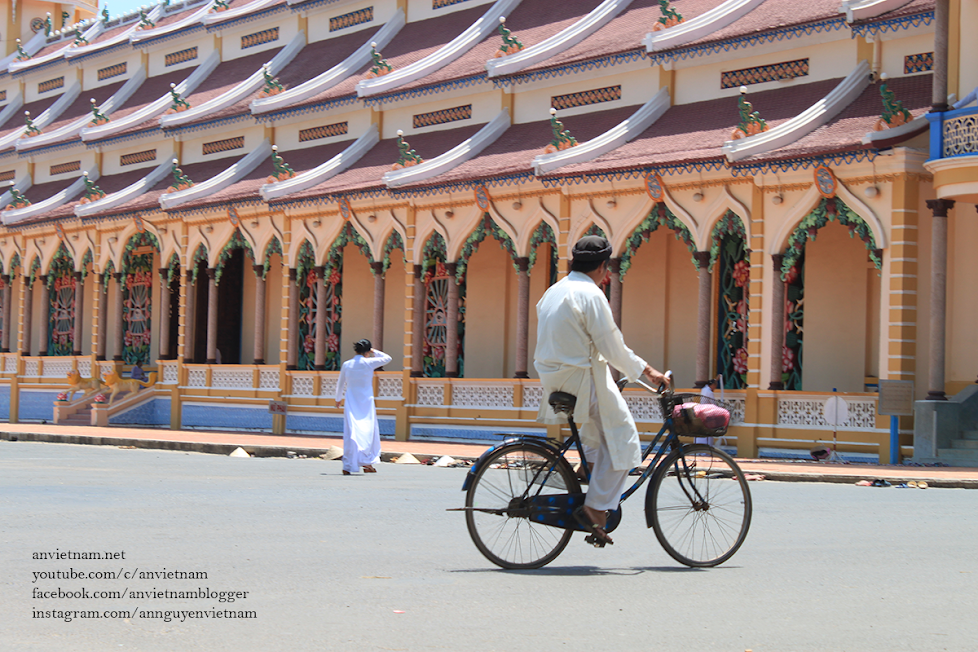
48 116
444 55
170 373
861 9
431 394
236 12
224 378
268 378
155 14
22 185
453 157
805 122
15 104
810 411
127 194
532 395
324 171
32 47
72 128
15 215
390 388
566 38
197 377
56 368
68 39
195 17
334 75
240 91
482 395
302 385
907 129
219 182
700 26
158 106
615 137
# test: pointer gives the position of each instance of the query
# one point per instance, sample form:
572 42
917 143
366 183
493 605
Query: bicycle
521 494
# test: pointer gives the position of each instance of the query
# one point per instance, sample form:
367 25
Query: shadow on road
584 571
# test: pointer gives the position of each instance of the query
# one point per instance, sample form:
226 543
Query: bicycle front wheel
699 505
498 515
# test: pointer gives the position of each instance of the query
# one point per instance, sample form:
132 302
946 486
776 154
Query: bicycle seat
562 402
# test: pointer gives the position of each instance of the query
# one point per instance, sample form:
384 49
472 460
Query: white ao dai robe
361 432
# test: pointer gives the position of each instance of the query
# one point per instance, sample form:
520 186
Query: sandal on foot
598 537
369 469
345 472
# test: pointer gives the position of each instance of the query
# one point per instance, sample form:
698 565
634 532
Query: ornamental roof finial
407 156
670 17
283 170
32 129
180 180
272 84
561 138
894 114
510 44
751 122
98 118
92 192
179 104
380 66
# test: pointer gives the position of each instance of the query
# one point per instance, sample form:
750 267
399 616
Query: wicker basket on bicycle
694 415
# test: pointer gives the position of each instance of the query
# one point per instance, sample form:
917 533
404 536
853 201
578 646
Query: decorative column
451 328
211 315
25 331
165 300
101 324
45 316
380 288
938 296
777 324
190 318
320 360
79 313
292 354
522 317
703 318
259 313
5 339
417 323
120 329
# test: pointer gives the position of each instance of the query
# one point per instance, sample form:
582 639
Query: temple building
228 194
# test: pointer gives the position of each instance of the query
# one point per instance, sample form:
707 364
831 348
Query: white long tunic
361 432
576 340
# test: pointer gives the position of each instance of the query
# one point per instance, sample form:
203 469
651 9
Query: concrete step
965 444
948 455
971 435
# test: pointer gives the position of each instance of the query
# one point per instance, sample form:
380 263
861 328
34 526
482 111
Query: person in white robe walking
355 394
577 339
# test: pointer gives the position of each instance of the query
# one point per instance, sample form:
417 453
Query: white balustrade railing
104 368
482 395
169 373
328 383
431 394
810 411
390 387
302 385
196 377
268 379
532 396
31 368
55 368
224 378
10 363
85 367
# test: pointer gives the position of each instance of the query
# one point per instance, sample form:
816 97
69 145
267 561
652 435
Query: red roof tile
83 106
109 185
40 192
151 90
17 121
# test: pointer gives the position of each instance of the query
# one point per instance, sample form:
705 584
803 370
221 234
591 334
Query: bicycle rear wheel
498 517
699 505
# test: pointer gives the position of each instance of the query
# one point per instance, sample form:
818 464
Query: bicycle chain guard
558 510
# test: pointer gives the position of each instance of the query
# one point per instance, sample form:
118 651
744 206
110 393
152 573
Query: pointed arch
300 234
728 224
541 214
136 241
393 242
348 234
200 255
659 216
423 238
486 226
272 247
586 225
724 204
236 241
544 233
828 210
60 311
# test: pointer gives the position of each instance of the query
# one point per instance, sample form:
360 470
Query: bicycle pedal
594 541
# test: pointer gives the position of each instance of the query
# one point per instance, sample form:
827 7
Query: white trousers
607 484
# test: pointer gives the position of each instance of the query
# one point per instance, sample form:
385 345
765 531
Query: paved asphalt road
376 563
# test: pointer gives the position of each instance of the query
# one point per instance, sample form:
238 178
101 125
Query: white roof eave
700 26
231 175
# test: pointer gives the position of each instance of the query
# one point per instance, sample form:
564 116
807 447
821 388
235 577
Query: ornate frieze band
961 135
259 38
9 175
50 85
223 145
922 62
439 4
595 96
112 71
760 74
3 96
323 131
65 168
353 18
138 157
441 117
181 56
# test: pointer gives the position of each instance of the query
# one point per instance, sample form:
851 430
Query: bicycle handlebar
624 381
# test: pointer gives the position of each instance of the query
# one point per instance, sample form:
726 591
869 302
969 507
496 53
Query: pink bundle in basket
698 417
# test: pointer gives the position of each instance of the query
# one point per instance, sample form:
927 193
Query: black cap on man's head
591 249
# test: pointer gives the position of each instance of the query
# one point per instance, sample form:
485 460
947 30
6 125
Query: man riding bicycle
577 339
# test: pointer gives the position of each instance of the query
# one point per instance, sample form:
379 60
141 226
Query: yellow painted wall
490 313
836 294
273 311
358 301
248 313
539 282
962 291
394 323
319 22
969 47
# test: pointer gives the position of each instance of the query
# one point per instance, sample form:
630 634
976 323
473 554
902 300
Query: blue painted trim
893 24
98 53
787 33
162 38
136 135
38 67
302 110
210 124
805 163
54 147
312 4
937 120
573 68
423 91
241 20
